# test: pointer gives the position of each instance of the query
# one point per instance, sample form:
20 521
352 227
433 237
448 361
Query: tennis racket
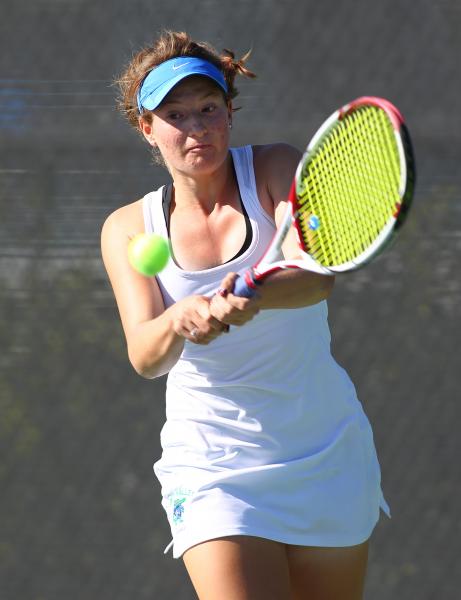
350 194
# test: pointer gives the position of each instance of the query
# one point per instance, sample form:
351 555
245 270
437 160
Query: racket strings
351 184
362 163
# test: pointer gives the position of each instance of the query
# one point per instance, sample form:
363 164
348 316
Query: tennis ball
148 253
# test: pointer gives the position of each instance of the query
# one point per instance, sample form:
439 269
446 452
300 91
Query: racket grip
242 285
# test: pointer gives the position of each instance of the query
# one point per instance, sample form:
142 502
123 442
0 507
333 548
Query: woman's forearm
154 347
294 288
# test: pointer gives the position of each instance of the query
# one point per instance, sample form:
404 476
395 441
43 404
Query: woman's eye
209 108
174 116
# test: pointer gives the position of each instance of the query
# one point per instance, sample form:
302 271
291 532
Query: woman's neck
207 192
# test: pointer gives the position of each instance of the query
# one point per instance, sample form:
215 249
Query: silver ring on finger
194 332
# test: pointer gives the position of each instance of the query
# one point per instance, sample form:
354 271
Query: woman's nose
198 125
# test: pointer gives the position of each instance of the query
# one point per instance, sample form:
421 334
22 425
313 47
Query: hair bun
232 67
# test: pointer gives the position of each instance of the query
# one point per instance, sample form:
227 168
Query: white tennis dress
264 434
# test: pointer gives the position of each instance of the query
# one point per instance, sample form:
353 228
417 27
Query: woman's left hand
230 309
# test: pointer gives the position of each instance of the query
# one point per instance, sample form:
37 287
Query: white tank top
263 394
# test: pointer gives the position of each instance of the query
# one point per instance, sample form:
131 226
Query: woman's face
191 127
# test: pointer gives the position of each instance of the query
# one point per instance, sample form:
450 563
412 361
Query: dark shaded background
80 509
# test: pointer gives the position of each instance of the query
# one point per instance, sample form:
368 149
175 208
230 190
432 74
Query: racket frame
269 263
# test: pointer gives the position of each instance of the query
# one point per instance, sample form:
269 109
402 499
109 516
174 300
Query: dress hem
330 541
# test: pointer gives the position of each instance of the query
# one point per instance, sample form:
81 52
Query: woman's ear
147 130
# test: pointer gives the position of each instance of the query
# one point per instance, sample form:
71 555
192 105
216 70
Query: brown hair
171 44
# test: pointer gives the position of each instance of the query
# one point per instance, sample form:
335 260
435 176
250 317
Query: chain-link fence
80 509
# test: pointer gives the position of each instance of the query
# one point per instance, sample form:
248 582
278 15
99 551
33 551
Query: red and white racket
350 195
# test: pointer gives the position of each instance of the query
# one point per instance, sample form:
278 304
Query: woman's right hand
230 309
193 321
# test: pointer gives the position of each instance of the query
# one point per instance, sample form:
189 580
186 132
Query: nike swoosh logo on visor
175 68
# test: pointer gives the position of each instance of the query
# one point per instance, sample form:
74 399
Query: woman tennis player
269 474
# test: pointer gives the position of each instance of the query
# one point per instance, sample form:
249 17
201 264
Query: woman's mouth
199 147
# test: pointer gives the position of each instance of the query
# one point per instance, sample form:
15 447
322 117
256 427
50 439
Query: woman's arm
275 166
155 336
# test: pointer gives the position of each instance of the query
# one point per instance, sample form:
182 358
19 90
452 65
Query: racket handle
242 285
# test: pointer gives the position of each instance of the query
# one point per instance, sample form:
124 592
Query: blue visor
163 78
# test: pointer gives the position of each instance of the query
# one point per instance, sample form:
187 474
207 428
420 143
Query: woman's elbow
141 365
328 285
323 287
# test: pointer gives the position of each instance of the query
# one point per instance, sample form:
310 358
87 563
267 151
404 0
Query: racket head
354 185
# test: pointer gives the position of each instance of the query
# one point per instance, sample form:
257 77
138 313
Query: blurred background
79 430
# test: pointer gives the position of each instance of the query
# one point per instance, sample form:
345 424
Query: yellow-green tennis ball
148 253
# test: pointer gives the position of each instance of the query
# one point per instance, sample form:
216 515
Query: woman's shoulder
274 167
275 160
127 219
274 153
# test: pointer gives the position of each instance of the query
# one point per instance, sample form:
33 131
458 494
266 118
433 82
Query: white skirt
330 496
